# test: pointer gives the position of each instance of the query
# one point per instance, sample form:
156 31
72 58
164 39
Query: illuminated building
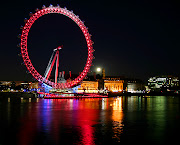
18 85
157 83
88 87
103 73
114 84
135 86
33 85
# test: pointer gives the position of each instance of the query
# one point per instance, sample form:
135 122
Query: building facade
88 87
18 85
114 84
159 82
135 86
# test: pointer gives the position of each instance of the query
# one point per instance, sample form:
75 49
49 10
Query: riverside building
159 82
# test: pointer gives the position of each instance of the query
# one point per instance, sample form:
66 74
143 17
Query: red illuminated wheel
24 50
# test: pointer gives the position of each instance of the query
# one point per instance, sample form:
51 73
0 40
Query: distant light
98 69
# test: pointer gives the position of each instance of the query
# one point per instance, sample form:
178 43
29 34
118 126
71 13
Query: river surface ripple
118 120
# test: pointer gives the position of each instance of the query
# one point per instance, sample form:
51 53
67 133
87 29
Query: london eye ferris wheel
27 61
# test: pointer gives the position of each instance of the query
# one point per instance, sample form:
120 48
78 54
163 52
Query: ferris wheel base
48 92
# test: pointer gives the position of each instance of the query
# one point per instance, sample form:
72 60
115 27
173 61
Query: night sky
137 39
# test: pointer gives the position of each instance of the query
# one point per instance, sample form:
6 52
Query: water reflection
90 121
117 118
65 119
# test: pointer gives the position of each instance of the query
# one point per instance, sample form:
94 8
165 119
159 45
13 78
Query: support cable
50 68
49 64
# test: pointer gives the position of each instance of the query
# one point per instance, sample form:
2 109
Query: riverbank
18 94
27 95
114 94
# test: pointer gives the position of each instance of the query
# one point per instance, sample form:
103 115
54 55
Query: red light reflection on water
28 128
87 135
86 118
26 134
80 114
60 120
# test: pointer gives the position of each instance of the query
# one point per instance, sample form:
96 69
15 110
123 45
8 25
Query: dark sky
132 38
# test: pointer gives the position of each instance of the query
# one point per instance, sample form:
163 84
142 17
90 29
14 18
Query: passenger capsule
21 27
19 45
43 7
30 14
19 36
25 20
50 5
36 9
19 54
22 63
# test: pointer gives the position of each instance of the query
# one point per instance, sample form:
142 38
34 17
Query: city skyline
135 39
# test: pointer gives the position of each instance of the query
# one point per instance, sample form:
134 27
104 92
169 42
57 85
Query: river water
119 120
